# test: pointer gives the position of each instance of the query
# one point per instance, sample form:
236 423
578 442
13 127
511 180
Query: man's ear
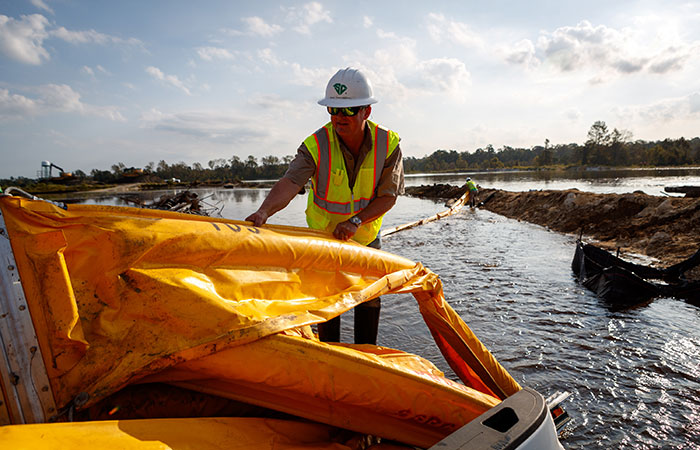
367 111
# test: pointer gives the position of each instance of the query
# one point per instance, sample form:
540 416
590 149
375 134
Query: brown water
634 374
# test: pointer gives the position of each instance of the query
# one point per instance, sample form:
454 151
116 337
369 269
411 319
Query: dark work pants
366 318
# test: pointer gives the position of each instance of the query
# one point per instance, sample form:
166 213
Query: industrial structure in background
46 169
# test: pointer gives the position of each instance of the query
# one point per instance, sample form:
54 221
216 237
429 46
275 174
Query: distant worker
473 192
356 173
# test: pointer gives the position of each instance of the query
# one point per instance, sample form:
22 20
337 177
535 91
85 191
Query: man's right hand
258 218
280 195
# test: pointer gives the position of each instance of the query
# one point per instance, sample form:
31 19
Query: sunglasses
348 112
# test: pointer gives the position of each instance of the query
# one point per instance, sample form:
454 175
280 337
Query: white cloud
307 16
13 106
666 110
607 51
522 52
446 75
171 80
41 4
301 19
300 75
397 73
367 22
305 76
91 37
273 102
259 27
399 51
267 55
61 98
694 103
573 114
231 32
442 29
570 48
98 68
51 98
671 61
22 40
216 126
212 53
382 34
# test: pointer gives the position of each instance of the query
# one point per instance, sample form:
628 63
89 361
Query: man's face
349 127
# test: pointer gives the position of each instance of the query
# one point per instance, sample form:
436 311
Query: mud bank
665 228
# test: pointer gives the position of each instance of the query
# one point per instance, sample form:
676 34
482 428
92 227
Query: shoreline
664 228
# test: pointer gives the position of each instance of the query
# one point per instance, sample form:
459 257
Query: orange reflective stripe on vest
331 200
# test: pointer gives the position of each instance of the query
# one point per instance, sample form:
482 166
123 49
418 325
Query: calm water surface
634 374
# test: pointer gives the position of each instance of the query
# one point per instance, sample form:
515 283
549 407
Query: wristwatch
355 221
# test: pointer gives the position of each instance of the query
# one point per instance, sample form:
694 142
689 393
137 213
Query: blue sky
87 84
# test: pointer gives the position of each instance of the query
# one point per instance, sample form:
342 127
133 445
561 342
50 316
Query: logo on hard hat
340 88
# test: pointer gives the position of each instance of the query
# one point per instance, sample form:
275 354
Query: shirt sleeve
391 182
302 167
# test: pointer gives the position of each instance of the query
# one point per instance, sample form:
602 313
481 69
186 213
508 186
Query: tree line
216 170
603 147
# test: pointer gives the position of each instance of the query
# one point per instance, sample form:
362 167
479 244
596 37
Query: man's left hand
345 231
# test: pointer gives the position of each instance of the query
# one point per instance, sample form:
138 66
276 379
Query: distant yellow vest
331 201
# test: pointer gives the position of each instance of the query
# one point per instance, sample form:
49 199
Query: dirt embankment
666 228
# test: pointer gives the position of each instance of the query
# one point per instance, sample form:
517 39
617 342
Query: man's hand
258 218
280 195
345 230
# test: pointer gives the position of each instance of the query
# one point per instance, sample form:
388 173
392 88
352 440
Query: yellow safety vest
331 201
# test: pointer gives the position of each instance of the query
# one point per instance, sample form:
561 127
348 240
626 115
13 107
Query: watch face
355 220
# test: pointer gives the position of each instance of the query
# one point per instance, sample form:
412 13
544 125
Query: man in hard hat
356 173
473 192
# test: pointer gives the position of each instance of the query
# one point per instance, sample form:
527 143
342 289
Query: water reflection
240 195
634 373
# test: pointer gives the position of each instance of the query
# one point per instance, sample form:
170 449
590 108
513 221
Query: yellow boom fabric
162 434
119 295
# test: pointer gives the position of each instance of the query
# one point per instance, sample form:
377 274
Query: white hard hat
348 87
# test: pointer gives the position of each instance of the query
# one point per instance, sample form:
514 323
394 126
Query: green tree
270 165
102 176
118 169
619 148
546 158
594 148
